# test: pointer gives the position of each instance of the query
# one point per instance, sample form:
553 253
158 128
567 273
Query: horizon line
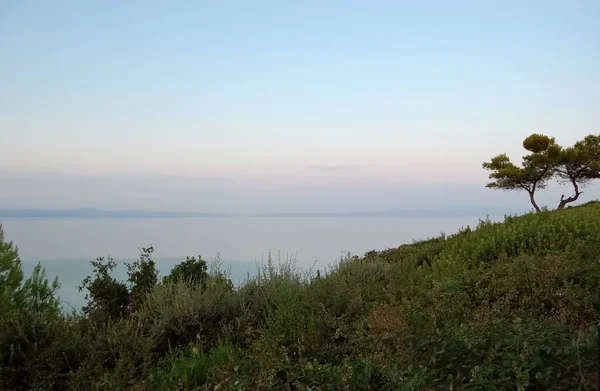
102 213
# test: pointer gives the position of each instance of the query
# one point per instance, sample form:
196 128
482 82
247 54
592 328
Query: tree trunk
535 205
564 201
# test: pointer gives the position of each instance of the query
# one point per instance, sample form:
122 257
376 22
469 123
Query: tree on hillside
579 165
536 170
34 296
11 273
576 165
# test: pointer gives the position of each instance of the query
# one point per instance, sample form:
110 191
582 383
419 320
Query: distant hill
99 213
479 211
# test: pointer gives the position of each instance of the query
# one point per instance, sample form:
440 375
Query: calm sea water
65 246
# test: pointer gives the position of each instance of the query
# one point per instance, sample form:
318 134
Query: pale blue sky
284 100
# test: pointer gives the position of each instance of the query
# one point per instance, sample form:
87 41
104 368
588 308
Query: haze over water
321 239
65 246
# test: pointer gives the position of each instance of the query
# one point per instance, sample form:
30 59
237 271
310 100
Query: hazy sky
284 105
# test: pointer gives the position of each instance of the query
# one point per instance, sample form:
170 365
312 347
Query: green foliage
590 145
512 305
29 325
111 299
142 276
117 354
107 298
174 314
192 269
142 273
537 143
11 274
197 369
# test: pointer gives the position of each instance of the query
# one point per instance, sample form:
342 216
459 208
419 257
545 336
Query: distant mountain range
478 211
92 212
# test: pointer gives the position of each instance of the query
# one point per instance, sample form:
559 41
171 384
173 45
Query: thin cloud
338 167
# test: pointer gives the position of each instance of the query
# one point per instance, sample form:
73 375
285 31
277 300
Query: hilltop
510 305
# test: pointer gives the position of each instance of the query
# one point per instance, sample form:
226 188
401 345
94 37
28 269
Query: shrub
176 313
192 269
107 298
196 369
118 353
30 325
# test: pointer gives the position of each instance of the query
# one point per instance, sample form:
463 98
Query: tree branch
564 201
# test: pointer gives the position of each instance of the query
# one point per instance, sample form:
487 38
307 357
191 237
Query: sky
285 106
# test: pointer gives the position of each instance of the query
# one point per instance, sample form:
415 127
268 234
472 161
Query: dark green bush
192 270
142 276
30 326
107 298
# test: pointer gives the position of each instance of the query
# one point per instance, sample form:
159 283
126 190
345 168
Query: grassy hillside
510 305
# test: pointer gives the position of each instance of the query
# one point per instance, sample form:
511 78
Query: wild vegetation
577 166
511 305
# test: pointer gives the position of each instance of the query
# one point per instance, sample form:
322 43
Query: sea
240 245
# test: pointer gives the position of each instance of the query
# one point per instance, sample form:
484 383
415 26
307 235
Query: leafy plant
193 270
107 298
